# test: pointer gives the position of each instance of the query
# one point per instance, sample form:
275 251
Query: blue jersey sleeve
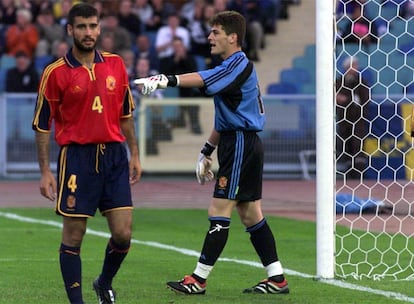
223 75
237 100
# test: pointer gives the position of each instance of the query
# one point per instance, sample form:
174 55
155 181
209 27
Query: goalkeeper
239 116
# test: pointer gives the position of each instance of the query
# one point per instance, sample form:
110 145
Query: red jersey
85 104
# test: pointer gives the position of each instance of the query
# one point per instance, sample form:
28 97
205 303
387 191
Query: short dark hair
232 22
84 10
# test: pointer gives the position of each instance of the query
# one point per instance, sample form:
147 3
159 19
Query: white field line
337 283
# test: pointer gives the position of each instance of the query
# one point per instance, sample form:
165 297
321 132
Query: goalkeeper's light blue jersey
237 100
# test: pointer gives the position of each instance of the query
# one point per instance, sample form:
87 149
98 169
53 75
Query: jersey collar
73 63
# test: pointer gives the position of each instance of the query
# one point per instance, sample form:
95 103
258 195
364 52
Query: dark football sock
114 255
71 268
215 240
263 242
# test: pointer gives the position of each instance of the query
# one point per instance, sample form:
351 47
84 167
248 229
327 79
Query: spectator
181 62
49 31
129 20
7 12
269 14
200 29
23 78
160 130
356 26
143 67
7 18
128 56
59 49
165 36
346 7
22 36
110 27
109 7
99 6
163 8
61 11
352 96
220 5
254 29
35 6
161 11
192 10
144 11
107 43
144 49
407 9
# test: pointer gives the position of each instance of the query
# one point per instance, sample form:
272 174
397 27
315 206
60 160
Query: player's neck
230 52
85 58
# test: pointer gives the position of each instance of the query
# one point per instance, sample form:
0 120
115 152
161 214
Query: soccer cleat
189 286
105 296
267 286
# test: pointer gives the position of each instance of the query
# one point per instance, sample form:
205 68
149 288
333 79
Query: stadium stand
41 62
7 62
3 73
281 88
295 76
293 34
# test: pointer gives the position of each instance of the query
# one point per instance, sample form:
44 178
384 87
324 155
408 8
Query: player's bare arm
190 80
135 170
214 137
47 185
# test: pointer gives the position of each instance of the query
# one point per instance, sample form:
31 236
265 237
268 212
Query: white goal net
374 68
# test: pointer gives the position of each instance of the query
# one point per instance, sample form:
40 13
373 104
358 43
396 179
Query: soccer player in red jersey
87 95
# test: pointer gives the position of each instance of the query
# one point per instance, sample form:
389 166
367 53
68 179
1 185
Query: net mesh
374 83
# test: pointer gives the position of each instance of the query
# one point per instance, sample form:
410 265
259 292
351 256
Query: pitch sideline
387 294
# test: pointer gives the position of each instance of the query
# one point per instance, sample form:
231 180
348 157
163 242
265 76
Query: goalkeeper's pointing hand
161 81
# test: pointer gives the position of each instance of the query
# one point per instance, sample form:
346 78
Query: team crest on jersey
222 182
110 83
71 202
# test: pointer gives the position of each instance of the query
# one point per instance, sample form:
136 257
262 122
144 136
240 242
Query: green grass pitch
166 243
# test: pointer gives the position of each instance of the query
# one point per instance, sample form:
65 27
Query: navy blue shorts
240 158
92 177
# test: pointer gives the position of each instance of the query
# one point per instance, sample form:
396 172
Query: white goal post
325 186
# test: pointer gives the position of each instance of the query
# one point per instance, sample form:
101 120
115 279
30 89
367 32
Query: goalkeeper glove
203 168
161 81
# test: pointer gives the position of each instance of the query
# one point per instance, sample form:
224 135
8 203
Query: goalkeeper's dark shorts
92 177
240 158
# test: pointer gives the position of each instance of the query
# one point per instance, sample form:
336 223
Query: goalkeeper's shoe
267 286
189 286
105 296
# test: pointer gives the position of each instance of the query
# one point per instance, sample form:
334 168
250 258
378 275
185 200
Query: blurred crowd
134 28
152 36
365 21
368 31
